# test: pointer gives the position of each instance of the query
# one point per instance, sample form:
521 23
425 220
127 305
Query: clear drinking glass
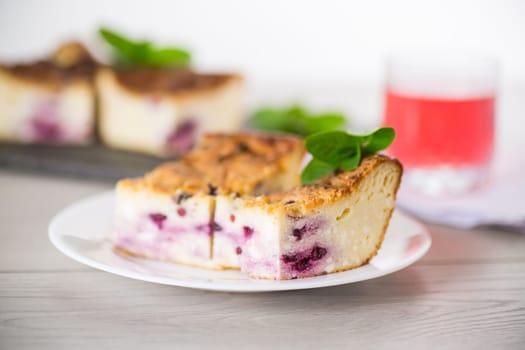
443 109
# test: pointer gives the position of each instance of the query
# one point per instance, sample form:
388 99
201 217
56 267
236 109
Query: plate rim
253 286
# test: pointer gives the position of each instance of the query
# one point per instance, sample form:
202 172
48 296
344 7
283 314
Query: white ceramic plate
80 231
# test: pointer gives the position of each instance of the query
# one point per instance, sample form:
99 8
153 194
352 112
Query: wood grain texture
480 306
27 205
467 293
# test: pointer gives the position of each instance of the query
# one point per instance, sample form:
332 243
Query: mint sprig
296 120
127 52
333 150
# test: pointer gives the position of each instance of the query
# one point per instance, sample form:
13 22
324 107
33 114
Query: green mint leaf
127 52
296 120
340 150
297 111
141 53
352 162
116 40
332 147
324 122
289 120
270 120
379 140
169 57
315 170
124 47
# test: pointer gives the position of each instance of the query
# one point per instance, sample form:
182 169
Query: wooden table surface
467 292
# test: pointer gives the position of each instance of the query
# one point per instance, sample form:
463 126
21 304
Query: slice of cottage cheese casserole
235 202
334 225
50 101
163 112
176 212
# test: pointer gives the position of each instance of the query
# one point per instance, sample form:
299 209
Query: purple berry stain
182 138
317 253
238 250
206 228
158 219
181 212
182 197
45 125
212 190
290 258
309 228
216 227
304 260
299 232
46 130
248 232
302 264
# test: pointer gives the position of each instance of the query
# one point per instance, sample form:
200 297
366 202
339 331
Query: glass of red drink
442 109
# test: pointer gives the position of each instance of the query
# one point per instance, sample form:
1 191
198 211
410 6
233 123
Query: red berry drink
430 131
443 114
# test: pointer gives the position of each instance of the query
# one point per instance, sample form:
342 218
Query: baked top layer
168 80
225 163
70 62
328 190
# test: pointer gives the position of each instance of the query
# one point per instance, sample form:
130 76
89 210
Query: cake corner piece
171 213
335 225
184 105
49 101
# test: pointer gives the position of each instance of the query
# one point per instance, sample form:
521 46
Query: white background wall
274 40
331 49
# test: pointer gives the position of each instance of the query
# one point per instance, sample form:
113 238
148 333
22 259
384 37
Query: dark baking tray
94 162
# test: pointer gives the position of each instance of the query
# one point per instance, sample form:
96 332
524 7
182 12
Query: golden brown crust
70 63
389 216
71 54
225 163
168 82
330 189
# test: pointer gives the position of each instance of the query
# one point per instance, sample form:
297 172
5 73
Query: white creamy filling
150 120
71 109
177 239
